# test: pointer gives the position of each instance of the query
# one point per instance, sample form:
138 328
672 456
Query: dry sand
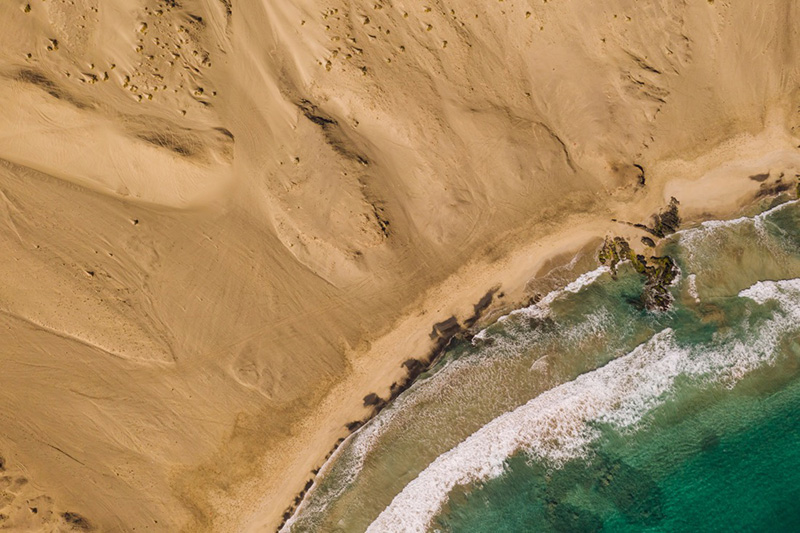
225 222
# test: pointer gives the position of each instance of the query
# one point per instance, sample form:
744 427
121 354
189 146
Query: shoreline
488 310
442 335
373 370
415 367
776 200
239 231
392 371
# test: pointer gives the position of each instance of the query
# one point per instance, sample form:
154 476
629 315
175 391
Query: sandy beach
224 224
381 365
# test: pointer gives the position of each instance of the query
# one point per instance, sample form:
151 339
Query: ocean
590 411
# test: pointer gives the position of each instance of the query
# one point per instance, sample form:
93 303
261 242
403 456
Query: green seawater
611 417
731 463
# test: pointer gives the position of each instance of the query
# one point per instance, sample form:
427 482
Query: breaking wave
560 424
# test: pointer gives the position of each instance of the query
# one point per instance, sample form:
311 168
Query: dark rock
667 221
641 174
760 177
76 521
660 276
772 190
484 302
414 366
659 272
446 328
354 425
372 399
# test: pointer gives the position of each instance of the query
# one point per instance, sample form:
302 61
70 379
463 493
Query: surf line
660 276
442 335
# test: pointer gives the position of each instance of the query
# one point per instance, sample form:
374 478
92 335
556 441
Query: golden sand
225 222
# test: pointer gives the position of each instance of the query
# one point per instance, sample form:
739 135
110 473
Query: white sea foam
784 292
691 238
692 280
351 458
715 224
541 308
558 425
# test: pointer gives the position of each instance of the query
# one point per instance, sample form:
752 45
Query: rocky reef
659 271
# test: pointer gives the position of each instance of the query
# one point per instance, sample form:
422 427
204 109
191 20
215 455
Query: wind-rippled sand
224 223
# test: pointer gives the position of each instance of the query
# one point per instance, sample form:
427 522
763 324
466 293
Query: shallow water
587 412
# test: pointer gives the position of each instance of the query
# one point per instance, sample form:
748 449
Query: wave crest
559 424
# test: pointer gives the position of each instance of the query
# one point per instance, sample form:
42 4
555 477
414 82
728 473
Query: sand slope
224 222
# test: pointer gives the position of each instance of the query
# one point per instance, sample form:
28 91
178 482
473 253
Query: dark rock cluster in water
659 271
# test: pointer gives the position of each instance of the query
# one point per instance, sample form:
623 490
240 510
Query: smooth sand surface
225 222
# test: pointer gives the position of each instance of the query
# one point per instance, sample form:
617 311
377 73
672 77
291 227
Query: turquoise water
716 460
588 412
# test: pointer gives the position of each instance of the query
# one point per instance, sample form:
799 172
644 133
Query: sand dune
225 222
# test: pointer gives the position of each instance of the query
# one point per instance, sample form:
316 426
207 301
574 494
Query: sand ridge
226 222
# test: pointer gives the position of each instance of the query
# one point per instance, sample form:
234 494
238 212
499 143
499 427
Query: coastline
378 369
236 231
